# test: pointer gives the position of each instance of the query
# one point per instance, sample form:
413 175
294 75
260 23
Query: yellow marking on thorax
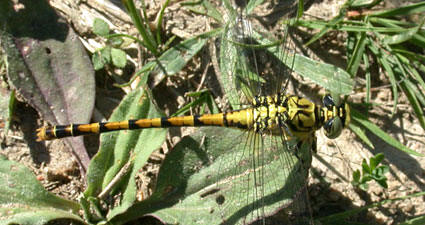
304 110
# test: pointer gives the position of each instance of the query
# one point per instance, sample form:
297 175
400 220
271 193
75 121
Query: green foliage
186 176
110 54
383 37
23 200
371 171
396 45
202 99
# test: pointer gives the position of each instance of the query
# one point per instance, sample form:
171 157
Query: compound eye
333 127
328 101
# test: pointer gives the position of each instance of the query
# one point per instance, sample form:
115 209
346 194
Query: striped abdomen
239 118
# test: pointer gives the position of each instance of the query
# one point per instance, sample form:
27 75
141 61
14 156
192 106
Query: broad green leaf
116 42
118 57
48 66
187 191
175 58
119 148
100 27
228 68
23 200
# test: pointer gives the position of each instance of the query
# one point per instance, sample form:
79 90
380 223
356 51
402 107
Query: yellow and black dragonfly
262 166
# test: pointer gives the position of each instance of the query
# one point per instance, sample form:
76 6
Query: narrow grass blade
361 134
409 90
357 55
356 116
403 11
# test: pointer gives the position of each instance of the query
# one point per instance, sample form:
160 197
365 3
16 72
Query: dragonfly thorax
297 116
284 113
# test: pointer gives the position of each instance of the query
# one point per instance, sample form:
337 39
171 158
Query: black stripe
50 134
102 127
132 124
165 122
61 132
317 117
225 122
76 131
285 103
344 115
196 121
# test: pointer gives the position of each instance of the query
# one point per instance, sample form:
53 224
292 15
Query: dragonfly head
336 116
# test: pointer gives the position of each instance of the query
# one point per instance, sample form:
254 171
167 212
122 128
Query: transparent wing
258 175
253 62
267 172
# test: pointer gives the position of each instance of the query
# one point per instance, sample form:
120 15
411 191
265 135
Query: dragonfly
277 129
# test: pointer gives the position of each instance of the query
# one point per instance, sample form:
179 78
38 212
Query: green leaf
118 57
376 160
357 55
48 66
23 199
330 25
175 58
330 77
116 42
364 186
356 176
400 38
187 191
208 9
106 54
382 182
360 133
142 25
100 27
403 11
365 168
364 3
124 147
97 60
419 220
356 116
